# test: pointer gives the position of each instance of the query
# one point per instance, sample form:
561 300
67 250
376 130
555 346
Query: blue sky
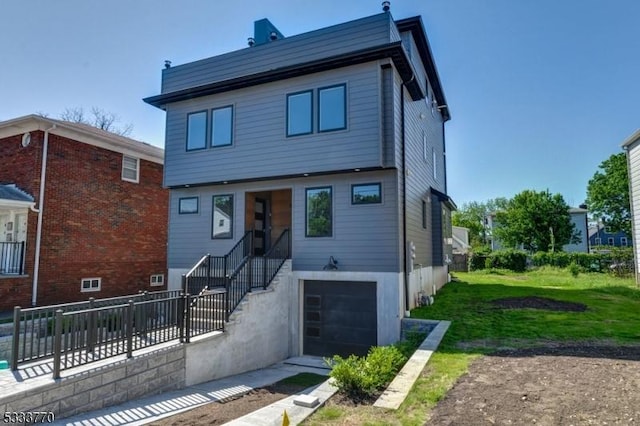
540 91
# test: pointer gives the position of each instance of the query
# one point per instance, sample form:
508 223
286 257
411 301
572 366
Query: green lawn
479 327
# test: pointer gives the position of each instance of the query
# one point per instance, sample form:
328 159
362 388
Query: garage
340 317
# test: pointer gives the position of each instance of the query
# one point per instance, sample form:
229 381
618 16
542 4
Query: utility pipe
43 178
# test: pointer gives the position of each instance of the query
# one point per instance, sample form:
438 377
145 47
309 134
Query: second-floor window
299 113
222 126
130 168
332 108
197 130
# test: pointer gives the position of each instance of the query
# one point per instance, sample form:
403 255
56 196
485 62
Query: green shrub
514 260
412 340
618 260
361 377
574 268
477 261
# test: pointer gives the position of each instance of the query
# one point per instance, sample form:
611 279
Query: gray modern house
326 146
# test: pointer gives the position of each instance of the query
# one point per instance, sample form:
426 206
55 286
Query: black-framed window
222 126
366 193
196 130
332 108
300 113
424 214
188 205
222 217
318 208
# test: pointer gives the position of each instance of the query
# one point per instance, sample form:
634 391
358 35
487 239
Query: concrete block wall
110 384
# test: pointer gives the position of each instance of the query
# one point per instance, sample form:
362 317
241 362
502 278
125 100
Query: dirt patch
534 302
217 413
571 385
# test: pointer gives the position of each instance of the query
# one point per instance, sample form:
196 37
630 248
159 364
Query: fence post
92 326
227 298
130 313
264 272
16 338
180 319
208 270
57 345
187 321
184 283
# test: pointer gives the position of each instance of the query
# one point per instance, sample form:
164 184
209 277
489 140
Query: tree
539 221
472 216
608 193
99 118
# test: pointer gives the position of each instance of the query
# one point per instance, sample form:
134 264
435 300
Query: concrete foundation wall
426 282
258 335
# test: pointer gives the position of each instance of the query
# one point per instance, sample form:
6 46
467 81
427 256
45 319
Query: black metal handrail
12 258
33 328
275 258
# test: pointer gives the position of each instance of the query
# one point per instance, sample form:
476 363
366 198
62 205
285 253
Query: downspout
40 210
404 200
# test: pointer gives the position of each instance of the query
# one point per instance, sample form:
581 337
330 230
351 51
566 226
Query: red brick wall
94 224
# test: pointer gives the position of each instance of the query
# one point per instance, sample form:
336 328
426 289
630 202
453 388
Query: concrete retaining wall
109 384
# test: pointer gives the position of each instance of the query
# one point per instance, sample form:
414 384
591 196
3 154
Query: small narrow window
222 217
598 242
188 205
424 146
197 130
610 241
424 214
156 280
90 284
332 108
299 113
623 241
435 164
222 126
366 193
319 216
130 169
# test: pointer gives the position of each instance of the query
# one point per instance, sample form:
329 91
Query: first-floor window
598 241
623 241
90 284
130 168
610 241
222 219
319 212
366 193
157 280
188 205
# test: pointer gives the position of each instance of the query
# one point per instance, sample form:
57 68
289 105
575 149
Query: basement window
130 169
90 284
157 280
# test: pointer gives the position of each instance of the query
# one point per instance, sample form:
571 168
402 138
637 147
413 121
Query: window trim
424 214
434 160
206 130
156 283
90 280
213 209
211 127
425 149
611 241
344 100
364 203
306 211
137 170
624 242
597 241
181 199
292 135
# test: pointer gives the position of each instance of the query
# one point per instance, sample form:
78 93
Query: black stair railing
275 258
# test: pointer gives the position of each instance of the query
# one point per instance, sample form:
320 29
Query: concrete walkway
156 407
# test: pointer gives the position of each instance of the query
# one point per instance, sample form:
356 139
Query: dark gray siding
436 222
365 237
411 48
262 149
389 121
356 35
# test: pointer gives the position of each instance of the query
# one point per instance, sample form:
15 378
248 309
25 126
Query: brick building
91 221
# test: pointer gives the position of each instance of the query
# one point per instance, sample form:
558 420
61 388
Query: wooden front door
260 227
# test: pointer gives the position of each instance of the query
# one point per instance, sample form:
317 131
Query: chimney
265 32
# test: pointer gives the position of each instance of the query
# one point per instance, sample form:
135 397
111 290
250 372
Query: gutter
40 211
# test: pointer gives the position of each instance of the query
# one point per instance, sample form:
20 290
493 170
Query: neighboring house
335 134
95 227
600 235
580 222
632 146
578 218
460 240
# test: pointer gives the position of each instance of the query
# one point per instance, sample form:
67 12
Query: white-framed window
130 168
598 242
610 241
156 280
90 284
623 241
